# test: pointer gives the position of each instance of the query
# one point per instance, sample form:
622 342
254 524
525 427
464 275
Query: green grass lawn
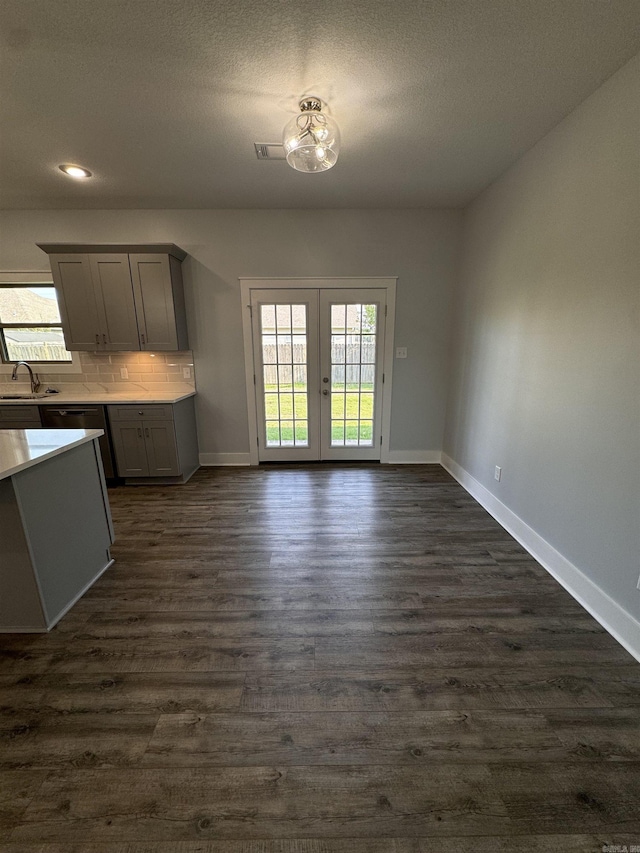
351 413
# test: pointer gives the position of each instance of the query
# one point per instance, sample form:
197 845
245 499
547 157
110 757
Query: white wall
420 247
546 347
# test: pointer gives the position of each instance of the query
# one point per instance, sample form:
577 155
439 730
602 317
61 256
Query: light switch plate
401 352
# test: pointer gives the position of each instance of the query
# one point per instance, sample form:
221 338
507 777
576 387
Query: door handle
325 378
325 392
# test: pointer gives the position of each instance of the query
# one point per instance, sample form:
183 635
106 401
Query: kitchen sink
22 396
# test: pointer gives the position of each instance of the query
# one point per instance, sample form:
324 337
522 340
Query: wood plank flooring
318 659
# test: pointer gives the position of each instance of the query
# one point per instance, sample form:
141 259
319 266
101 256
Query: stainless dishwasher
82 417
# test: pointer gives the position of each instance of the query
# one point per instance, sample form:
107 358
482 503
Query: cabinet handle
141 413
97 340
146 432
104 339
139 432
142 340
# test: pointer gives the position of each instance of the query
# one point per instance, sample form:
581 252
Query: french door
317 367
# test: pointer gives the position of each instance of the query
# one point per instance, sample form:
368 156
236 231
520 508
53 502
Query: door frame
249 284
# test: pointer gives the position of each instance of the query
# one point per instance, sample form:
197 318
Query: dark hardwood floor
318 659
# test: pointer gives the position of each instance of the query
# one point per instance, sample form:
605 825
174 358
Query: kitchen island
55 524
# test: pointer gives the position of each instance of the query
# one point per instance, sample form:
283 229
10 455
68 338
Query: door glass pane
300 406
366 432
273 433
286 433
337 406
299 349
368 349
269 351
337 374
353 362
283 318
268 315
338 349
271 407
284 349
283 334
351 433
285 377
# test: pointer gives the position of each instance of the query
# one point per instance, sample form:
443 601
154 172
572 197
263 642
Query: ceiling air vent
269 151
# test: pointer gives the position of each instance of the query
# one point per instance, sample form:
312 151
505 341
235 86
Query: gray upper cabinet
120 297
111 279
159 301
77 302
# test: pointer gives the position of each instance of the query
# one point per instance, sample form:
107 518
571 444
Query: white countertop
103 397
23 448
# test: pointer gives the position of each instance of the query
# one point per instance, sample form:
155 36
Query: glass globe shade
311 142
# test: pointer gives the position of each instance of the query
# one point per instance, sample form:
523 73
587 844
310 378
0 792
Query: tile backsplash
104 369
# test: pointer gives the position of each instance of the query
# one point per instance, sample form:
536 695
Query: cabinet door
151 276
162 450
76 298
114 299
130 450
20 417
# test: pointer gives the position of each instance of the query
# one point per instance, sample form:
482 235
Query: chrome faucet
35 381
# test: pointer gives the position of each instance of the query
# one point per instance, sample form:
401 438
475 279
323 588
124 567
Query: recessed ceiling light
74 171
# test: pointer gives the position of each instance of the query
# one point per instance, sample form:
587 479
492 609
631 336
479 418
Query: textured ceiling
163 100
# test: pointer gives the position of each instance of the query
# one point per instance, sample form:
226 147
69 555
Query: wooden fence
38 352
346 359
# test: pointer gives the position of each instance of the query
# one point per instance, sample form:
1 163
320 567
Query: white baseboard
207 459
621 625
395 457
413 457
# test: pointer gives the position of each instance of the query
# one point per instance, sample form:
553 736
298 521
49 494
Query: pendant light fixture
311 140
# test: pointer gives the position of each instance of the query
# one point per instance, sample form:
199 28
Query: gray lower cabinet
156 441
145 448
19 417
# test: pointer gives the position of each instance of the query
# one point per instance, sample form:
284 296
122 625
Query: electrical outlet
186 373
497 474
401 352
124 373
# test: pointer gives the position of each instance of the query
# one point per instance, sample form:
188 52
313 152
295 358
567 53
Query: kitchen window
30 325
